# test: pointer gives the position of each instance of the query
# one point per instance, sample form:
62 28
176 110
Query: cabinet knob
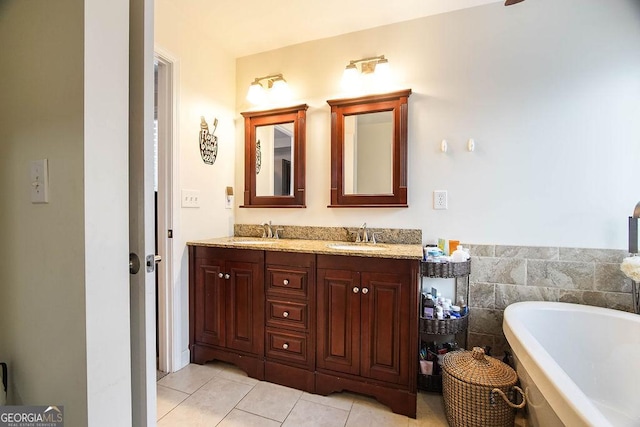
285 314
356 289
226 276
220 275
365 290
285 282
285 346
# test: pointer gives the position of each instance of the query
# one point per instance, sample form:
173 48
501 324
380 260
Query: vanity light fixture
279 90
356 70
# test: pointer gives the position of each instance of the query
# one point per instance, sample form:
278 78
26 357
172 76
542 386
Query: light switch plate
190 198
39 174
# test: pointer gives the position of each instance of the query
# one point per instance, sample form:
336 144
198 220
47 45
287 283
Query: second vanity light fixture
358 70
277 90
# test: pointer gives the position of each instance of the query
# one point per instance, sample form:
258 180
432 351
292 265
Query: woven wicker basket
478 390
444 326
445 269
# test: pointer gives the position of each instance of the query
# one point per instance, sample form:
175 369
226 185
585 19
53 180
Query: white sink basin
348 247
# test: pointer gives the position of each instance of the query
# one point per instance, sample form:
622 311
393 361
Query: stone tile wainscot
502 275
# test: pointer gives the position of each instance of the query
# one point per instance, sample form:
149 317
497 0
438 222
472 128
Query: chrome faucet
267 231
365 235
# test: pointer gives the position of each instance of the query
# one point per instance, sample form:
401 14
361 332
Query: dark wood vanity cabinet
366 328
319 323
227 307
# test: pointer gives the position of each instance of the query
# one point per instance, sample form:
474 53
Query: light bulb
350 78
280 91
382 72
256 94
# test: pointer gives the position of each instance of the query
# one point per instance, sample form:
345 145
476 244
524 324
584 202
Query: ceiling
252 26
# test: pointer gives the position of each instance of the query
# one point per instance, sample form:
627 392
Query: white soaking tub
579 365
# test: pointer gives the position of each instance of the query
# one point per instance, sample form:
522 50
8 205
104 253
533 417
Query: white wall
549 90
206 88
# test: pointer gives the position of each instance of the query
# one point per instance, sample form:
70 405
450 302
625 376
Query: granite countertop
328 247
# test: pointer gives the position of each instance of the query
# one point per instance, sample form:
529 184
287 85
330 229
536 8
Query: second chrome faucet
269 233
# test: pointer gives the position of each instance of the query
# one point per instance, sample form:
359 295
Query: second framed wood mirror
274 153
369 150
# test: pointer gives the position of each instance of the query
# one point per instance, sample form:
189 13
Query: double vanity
320 316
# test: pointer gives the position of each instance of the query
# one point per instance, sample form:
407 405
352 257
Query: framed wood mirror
274 158
369 150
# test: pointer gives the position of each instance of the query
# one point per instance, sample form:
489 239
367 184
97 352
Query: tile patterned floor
218 394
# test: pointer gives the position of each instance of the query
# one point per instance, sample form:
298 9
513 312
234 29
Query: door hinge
170 234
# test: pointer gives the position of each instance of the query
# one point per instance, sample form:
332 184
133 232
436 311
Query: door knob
365 290
226 276
220 275
356 289
134 263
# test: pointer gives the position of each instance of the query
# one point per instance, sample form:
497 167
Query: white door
141 214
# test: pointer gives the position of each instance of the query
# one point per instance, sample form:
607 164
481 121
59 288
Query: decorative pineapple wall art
208 141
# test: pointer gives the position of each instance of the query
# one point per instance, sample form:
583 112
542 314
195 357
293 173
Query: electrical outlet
440 199
190 198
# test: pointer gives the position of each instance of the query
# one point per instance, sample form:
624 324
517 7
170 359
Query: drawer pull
356 289
285 282
220 275
285 346
365 290
285 314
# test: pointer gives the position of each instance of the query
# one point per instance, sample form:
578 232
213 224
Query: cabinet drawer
287 314
288 282
287 346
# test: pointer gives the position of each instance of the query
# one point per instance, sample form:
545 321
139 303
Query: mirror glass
369 150
368 153
274 160
274 157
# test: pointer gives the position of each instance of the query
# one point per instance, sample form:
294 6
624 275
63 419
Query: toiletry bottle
463 307
439 313
446 307
459 255
428 307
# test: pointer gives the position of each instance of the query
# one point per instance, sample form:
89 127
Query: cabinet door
209 302
245 307
386 305
338 345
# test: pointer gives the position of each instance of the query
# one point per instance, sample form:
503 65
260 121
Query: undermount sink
348 247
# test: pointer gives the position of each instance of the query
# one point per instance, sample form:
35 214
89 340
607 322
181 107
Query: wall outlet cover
440 199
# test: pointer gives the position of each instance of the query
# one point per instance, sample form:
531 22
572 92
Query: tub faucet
267 231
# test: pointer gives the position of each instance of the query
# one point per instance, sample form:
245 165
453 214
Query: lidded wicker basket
478 390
